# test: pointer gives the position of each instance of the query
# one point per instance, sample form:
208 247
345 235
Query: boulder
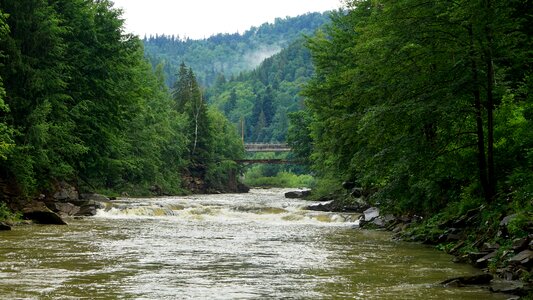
297 194
484 261
371 213
474 255
505 221
523 258
482 279
510 287
88 208
38 212
65 192
94 197
66 209
86 211
4 226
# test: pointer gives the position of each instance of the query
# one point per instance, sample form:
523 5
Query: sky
199 19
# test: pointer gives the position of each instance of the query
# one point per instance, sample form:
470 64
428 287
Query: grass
282 179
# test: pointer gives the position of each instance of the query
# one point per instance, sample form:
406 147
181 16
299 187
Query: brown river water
247 246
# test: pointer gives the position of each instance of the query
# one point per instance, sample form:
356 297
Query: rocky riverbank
65 200
505 258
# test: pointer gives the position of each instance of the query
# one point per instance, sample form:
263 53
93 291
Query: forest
229 54
263 98
424 108
80 103
427 107
424 102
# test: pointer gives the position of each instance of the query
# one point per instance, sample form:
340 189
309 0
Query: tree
404 96
190 102
6 132
231 103
268 106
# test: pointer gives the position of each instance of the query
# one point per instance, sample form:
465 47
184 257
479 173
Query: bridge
260 147
270 161
264 147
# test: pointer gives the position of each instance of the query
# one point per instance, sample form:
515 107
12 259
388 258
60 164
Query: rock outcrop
40 213
297 194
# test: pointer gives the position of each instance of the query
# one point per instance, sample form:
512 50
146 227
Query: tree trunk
490 107
482 165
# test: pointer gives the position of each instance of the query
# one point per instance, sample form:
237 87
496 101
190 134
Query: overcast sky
202 18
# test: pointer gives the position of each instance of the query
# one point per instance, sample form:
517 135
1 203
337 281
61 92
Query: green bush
7 215
283 179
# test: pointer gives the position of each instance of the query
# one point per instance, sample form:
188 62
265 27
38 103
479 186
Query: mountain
226 55
261 99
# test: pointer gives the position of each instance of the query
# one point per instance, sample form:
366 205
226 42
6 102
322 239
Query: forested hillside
263 98
80 103
427 106
229 54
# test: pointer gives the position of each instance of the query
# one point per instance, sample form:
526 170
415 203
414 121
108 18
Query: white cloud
203 18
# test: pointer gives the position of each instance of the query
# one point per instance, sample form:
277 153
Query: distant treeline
229 54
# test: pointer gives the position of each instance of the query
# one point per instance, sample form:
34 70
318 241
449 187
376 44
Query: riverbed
239 246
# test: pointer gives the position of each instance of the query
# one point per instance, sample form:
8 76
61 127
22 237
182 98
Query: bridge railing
263 147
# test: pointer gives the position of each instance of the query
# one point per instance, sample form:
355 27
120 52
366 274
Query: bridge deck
266 147
268 161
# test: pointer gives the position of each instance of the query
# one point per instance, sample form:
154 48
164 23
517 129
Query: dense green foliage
213 143
79 102
226 55
263 98
255 177
424 103
251 92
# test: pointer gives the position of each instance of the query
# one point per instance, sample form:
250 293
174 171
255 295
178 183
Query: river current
247 246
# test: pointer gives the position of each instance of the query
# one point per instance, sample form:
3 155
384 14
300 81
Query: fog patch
256 57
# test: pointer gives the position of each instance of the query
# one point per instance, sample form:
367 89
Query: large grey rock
371 213
40 213
94 197
524 258
484 261
297 194
505 221
65 208
511 287
65 192
89 208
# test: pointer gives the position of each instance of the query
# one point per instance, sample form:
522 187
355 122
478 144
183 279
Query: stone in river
41 214
4 226
481 279
297 194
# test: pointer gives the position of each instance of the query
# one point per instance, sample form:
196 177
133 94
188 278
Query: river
247 246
